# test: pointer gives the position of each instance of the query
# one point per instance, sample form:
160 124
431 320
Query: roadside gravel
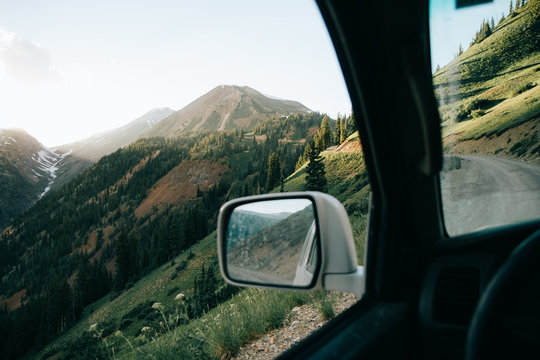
301 322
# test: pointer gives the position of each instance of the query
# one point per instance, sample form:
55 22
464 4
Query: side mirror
289 240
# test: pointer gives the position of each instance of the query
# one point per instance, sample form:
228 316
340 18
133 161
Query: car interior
427 295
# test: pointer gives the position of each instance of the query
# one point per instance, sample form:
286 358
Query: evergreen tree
517 5
337 134
273 173
511 10
343 128
315 177
122 261
325 134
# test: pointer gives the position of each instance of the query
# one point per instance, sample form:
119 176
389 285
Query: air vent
456 295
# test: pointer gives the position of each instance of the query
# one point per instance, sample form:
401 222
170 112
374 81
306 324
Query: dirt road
481 192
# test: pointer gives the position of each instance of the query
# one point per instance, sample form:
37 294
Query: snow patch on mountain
6 140
48 161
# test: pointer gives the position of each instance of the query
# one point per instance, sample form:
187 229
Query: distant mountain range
30 169
96 146
226 107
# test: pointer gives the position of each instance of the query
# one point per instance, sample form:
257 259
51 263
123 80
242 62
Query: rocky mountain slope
96 146
82 154
226 107
27 170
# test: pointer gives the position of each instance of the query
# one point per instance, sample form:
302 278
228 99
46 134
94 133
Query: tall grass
325 304
252 314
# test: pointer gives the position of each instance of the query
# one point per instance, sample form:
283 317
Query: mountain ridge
225 107
28 169
103 143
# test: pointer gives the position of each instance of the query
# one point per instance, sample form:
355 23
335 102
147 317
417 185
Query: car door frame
383 50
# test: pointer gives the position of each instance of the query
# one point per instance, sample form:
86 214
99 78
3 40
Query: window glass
124 126
486 69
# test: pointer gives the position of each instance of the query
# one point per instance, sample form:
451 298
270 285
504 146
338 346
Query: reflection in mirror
273 242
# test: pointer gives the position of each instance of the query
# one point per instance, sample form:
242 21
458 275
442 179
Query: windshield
486 68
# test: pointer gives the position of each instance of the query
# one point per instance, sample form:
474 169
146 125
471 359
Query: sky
72 68
277 206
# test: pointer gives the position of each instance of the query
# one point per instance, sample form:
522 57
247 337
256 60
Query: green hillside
220 331
133 211
492 88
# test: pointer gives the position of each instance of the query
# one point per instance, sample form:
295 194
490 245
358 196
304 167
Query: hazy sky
69 69
72 68
277 206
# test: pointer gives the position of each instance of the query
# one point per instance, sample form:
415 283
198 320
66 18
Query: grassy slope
347 181
502 71
156 287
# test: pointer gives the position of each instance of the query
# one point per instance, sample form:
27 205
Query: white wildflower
93 327
157 306
146 328
179 296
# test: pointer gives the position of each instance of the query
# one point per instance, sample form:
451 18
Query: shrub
325 304
125 323
461 114
299 297
182 265
478 113
173 291
524 88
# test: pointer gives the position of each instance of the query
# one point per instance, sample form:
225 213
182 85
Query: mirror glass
273 242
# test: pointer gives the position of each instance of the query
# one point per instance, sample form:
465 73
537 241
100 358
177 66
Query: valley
135 209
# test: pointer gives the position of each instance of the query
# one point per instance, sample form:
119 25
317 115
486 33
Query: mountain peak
225 107
153 116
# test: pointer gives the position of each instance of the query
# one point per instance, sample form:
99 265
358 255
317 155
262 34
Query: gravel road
481 192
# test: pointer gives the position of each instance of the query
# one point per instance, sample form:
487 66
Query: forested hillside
116 221
183 310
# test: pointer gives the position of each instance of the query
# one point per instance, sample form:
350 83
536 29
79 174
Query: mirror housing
336 265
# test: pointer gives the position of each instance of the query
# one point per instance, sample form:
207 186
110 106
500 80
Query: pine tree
273 172
492 24
511 10
343 130
325 134
315 177
122 261
337 134
517 5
